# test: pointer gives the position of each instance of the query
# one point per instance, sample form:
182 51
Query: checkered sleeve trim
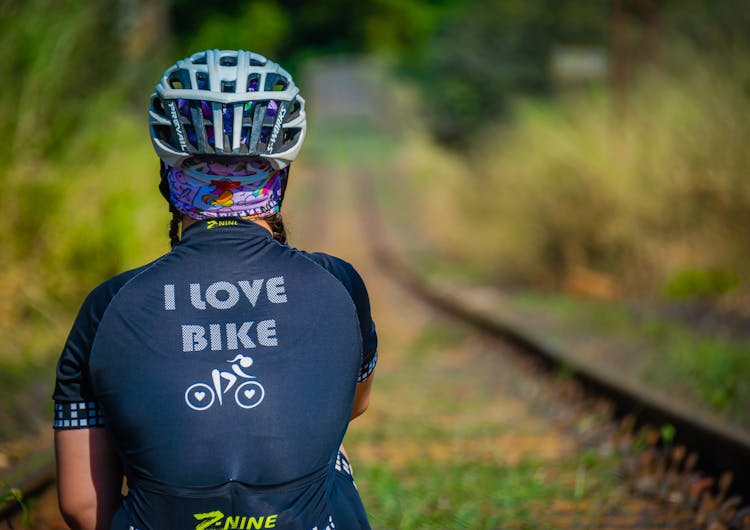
79 415
343 465
366 370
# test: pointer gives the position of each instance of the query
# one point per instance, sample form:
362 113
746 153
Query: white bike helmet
227 103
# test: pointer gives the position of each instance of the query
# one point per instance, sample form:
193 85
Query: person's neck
187 221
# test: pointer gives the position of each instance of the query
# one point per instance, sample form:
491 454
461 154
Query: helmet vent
256 62
275 83
296 107
228 60
244 138
253 82
190 131
202 79
200 59
158 106
228 86
175 79
265 134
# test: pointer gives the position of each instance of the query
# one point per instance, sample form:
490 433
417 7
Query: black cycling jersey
225 372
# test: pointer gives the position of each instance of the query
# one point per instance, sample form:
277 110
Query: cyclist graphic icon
249 394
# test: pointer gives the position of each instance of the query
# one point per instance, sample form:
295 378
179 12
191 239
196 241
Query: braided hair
277 227
175 222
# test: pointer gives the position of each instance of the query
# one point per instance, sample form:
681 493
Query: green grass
15 495
432 460
718 370
672 356
700 283
438 335
478 493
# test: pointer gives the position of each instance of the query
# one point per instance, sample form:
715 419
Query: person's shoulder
100 297
338 267
326 260
345 273
94 307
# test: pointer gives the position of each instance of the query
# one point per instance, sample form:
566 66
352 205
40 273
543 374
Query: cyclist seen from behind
220 379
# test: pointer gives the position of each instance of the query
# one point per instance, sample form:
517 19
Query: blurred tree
279 29
53 57
289 31
261 26
489 51
485 52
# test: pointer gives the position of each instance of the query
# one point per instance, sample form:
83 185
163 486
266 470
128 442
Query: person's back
230 364
225 373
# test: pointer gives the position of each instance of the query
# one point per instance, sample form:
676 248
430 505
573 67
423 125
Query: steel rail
721 447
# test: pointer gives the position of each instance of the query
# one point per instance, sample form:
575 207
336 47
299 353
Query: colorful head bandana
240 189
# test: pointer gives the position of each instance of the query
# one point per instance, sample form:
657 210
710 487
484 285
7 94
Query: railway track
705 466
703 469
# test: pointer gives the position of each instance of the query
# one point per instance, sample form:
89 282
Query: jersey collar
224 225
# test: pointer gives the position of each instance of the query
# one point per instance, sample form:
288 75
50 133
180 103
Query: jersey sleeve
76 405
354 284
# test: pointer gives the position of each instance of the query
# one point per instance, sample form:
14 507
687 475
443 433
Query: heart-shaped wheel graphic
249 394
199 396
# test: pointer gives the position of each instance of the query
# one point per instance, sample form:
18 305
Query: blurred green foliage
470 59
581 189
667 432
74 167
55 56
9 494
289 31
486 54
260 26
700 283
491 51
